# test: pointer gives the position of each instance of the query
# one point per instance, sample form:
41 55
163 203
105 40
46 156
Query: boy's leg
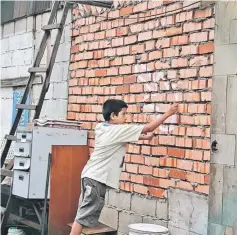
76 229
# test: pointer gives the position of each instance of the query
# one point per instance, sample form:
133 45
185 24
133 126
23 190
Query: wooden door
65 186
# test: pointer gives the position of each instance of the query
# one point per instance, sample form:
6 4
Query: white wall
19 45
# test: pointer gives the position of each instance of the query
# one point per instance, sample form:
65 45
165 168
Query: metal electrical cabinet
31 153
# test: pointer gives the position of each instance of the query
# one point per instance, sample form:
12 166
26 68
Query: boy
105 164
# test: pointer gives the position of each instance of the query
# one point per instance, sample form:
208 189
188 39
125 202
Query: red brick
137 88
199 61
117 80
125 70
140 7
135 28
165 183
146 170
202 189
194 154
139 48
163 43
185 165
100 35
150 45
132 168
126 186
146 150
203 13
206 96
116 61
195 177
145 36
161 173
174 31
116 42
206 71
189 50
162 65
202 167
171 52
199 37
209 23
130 79
125 176
169 162
179 40
207 156
178 174
99 54
184 185
123 50
181 62
188 73
159 33
139 179
112 71
206 48
151 181
140 189
157 192
130 39
122 89
152 161
122 31
184 16
192 26
129 60
176 152
100 72
125 11
110 33
167 140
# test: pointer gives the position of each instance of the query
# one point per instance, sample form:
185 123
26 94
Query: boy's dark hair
112 106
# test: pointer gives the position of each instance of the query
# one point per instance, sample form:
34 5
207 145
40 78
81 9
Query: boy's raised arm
149 127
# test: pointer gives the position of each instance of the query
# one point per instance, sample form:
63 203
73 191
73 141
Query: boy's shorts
91 202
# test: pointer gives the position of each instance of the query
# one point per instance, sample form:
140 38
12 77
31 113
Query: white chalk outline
140 68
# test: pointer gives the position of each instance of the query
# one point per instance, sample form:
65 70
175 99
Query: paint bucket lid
148 229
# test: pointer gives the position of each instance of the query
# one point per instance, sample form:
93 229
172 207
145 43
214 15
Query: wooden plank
6 172
100 228
66 167
51 26
10 137
37 70
26 106
16 82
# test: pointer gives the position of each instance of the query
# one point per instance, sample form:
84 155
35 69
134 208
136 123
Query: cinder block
38 22
4 45
120 199
177 231
216 229
12 72
109 217
6 59
45 18
126 218
26 40
64 52
162 209
14 42
23 71
29 23
49 94
57 73
8 29
65 66
188 211
20 26
153 220
18 57
60 90
28 56
233 31
143 206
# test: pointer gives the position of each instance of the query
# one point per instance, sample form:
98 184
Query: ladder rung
6 172
10 137
51 26
37 70
25 106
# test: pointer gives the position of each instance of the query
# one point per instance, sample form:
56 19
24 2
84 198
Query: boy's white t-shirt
106 162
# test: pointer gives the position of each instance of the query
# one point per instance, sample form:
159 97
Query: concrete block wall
19 44
184 213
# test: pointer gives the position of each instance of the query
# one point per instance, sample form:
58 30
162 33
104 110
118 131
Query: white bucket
15 231
147 229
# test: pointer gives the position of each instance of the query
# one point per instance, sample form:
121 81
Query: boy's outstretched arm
149 127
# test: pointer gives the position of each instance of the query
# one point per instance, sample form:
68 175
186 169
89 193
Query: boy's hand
173 109
150 136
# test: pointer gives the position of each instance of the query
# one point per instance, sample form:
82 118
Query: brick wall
150 55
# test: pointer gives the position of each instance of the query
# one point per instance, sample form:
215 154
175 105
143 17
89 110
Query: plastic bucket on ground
15 231
147 229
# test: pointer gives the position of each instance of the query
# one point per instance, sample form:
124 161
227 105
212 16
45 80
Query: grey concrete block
153 220
29 23
219 96
60 90
63 52
26 40
177 231
125 219
67 33
120 199
225 12
23 71
215 196
231 115
4 45
229 217
162 209
188 211
225 57
109 217
226 149
49 94
66 73
6 60
14 42
18 57
45 18
28 56
216 229
38 22
143 206
8 29
20 26
57 73
233 31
